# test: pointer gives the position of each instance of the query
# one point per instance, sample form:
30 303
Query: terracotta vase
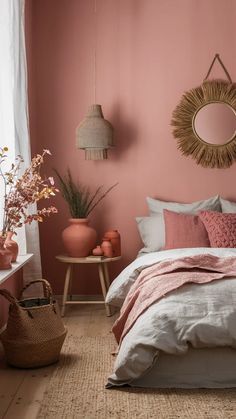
79 238
114 237
106 247
11 245
5 256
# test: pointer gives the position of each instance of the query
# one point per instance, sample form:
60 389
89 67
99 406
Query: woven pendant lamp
95 134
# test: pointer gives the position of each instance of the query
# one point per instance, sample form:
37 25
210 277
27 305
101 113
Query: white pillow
227 206
157 206
152 229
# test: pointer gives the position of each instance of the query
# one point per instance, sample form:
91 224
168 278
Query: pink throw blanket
161 278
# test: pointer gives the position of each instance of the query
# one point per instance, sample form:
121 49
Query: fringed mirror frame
189 143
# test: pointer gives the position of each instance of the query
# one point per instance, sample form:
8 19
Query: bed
177 299
187 338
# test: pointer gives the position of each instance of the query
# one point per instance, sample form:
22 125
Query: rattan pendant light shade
95 134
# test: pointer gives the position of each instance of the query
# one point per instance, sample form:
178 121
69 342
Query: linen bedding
198 315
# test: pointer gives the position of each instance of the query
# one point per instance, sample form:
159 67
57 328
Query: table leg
66 286
70 283
106 275
103 286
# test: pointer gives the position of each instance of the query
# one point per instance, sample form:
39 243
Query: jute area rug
77 390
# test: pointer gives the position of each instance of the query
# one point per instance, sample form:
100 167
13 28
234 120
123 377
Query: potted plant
21 192
79 238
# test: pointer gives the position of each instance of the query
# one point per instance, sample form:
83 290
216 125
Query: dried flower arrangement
80 200
20 192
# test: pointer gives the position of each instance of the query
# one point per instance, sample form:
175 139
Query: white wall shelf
21 261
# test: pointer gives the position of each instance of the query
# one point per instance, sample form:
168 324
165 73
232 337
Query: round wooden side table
103 276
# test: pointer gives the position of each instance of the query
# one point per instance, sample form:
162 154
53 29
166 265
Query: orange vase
79 238
5 256
114 237
11 245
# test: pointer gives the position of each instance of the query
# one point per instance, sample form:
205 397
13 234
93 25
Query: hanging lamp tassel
95 154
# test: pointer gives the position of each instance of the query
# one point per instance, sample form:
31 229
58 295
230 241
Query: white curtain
14 130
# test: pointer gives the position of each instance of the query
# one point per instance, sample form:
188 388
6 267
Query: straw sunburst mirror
205 122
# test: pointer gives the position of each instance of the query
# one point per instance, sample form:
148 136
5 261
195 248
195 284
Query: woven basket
35 332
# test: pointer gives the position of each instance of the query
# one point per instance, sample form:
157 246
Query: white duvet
200 315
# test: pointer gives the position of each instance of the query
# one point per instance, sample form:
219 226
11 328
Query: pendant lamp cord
217 57
95 51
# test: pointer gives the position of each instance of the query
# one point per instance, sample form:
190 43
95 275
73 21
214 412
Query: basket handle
6 294
46 288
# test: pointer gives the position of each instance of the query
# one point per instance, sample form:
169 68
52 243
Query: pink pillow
184 230
221 228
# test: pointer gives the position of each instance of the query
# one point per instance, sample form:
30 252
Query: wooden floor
21 391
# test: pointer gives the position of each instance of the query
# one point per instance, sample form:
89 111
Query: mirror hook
217 57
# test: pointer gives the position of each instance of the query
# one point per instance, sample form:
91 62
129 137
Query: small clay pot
114 237
97 251
106 247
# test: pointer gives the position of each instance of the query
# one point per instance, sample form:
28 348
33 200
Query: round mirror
205 123
215 123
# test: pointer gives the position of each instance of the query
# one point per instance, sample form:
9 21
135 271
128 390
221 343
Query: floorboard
21 391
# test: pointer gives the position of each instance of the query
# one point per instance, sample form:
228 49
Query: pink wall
148 53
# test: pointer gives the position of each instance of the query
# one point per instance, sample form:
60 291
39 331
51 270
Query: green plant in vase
79 238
